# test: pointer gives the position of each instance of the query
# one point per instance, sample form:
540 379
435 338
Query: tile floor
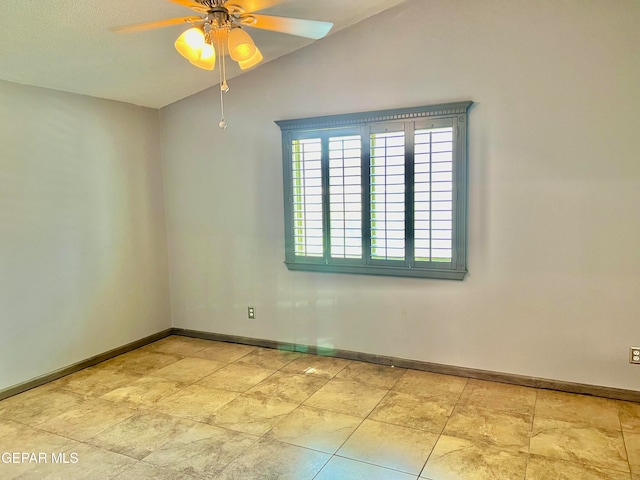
185 408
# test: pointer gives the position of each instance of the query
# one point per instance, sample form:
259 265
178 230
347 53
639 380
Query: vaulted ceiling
67 45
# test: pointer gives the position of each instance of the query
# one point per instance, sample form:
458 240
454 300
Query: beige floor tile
413 411
88 419
178 345
16 437
33 392
316 429
578 443
84 461
499 396
509 431
390 446
543 468
459 459
141 434
143 392
225 352
195 402
197 409
146 471
289 387
340 468
94 381
268 358
629 414
189 370
347 397
202 451
11 471
237 378
254 414
381 376
569 407
36 408
431 385
270 459
139 362
632 444
325 367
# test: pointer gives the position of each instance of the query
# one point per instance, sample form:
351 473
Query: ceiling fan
217 30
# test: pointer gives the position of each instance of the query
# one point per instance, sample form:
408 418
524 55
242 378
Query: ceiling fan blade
293 26
139 27
249 6
191 4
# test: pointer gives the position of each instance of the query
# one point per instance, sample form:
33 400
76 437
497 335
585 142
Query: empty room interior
403 246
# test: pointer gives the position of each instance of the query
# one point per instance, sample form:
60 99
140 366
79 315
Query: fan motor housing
211 3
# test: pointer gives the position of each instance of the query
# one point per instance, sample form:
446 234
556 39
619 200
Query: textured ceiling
66 45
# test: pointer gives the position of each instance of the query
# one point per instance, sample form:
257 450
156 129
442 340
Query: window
382 193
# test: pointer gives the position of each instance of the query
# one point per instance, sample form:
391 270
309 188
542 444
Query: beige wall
553 288
83 261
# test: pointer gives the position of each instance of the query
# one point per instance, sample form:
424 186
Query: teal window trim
446 234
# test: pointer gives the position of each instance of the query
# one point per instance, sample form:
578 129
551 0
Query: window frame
455 114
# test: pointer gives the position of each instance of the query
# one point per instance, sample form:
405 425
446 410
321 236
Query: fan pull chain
224 88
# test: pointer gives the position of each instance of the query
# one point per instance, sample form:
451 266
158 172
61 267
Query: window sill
441 274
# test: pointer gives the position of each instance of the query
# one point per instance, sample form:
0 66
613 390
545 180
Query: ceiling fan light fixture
241 46
207 60
253 61
218 31
190 44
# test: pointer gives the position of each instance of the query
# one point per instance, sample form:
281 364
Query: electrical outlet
634 355
252 313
